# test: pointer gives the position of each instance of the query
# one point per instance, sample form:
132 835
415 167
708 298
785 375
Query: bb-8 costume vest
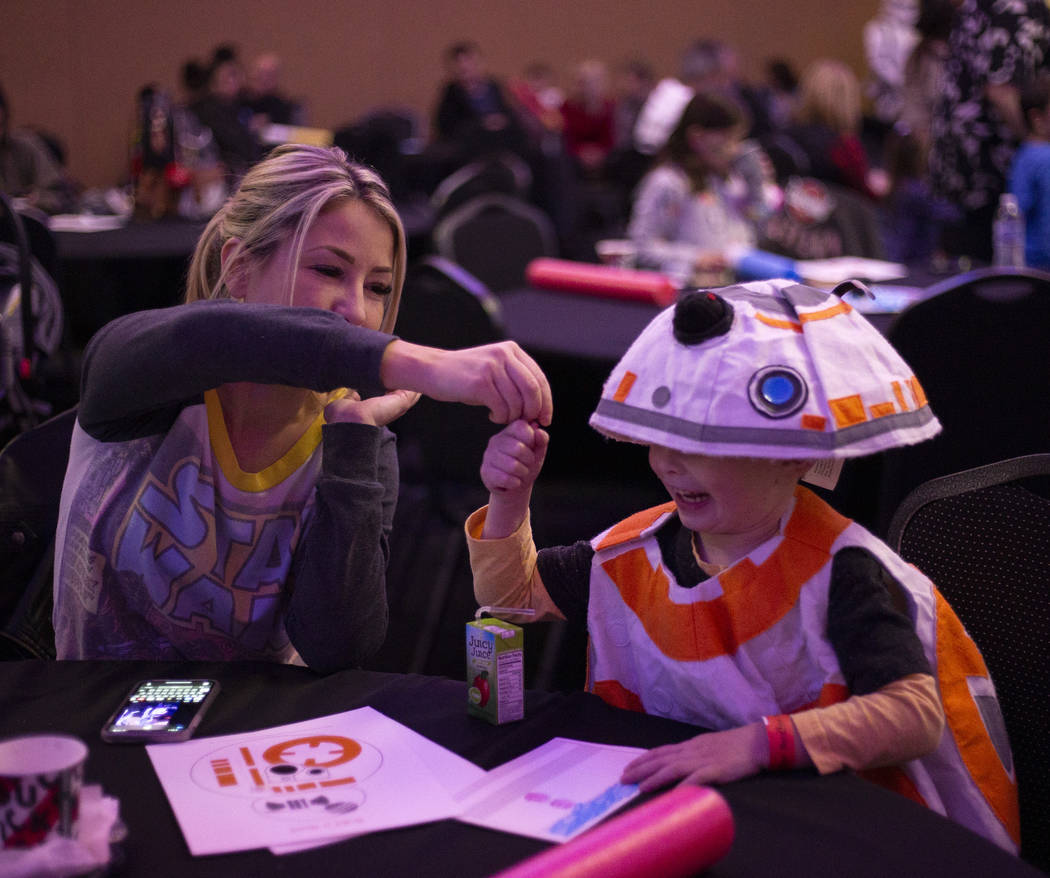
758 630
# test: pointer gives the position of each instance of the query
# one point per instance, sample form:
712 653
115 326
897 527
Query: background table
793 824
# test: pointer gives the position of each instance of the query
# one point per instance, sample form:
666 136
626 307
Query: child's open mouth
690 498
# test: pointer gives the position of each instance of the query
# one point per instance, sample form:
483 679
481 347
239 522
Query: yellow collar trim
277 471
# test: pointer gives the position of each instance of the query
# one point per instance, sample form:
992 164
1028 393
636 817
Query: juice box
495 670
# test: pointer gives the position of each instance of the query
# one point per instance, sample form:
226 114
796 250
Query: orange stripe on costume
895 780
706 629
830 693
957 659
881 409
633 526
611 692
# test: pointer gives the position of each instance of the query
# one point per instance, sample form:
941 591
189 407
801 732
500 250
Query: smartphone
160 710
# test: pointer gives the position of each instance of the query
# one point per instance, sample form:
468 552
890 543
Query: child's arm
503 556
900 722
895 716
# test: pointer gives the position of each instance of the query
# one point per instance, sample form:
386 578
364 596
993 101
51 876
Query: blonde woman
232 479
827 126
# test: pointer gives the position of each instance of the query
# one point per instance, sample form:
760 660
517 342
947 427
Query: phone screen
160 710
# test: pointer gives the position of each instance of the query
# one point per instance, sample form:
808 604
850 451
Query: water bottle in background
1008 233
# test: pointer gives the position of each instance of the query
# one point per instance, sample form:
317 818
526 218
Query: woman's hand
509 468
501 377
377 411
714 757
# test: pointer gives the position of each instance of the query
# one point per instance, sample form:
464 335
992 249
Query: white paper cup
40 781
616 251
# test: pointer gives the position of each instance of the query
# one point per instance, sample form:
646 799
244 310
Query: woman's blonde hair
829 94
279 198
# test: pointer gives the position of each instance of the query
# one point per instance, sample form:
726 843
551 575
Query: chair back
502 173
495 237
445 306
978 346
821 220
983 537
32 469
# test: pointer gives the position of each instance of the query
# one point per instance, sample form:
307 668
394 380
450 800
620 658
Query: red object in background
679 833
601 280
177 176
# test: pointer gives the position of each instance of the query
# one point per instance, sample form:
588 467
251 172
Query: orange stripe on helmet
626 383
917 392
833 311
847 410
778 324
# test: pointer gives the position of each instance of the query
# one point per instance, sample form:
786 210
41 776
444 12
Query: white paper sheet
451 770
554 792
839 268
338 775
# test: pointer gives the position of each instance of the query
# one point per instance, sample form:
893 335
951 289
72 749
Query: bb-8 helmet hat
770 369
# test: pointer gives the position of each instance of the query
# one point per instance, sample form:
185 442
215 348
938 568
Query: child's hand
513 458
714 757
509 468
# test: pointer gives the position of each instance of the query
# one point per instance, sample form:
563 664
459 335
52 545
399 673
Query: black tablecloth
794 824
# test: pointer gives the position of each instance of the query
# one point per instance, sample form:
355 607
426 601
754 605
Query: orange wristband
781 735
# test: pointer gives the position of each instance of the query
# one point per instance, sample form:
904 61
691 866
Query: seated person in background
230 121
589 117
634 80
692 208
748 606
29 171
232 481
473 116
263 95
826 127
538 101
1030 173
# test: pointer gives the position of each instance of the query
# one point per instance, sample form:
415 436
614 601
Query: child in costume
747 605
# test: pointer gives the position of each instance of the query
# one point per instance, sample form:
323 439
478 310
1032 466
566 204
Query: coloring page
338 775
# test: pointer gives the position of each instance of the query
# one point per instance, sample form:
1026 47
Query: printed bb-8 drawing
292 777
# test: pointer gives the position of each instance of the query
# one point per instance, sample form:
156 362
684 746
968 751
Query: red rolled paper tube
601 280
675 835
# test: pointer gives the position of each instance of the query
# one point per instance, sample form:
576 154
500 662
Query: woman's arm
337 613
140 369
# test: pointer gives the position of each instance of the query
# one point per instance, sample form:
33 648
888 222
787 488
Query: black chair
502 173
383 138
439 449
978 346
983 537
32 321
32 469
495 237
